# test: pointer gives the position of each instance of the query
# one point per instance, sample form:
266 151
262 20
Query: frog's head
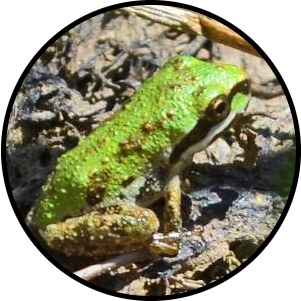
224 100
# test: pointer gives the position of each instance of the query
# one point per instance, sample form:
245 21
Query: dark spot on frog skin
130 145
170 114
95 195
128 181
148 127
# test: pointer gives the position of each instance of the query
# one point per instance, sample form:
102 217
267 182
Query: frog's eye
218 108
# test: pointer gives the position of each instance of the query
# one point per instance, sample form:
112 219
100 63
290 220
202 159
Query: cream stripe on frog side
186 157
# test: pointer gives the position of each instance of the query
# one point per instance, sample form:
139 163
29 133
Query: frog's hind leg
105 231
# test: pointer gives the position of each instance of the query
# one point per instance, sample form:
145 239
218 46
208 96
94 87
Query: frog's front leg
106 231
172 211
167 244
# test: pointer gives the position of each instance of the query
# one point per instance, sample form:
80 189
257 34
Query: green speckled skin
164 109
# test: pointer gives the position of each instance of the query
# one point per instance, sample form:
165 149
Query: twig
97 270
266 92
191 22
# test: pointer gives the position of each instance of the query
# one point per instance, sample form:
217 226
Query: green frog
95 202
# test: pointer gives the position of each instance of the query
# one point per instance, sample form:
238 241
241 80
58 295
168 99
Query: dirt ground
85 77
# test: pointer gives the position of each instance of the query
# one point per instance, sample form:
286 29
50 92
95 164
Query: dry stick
266 92
191 22
96 270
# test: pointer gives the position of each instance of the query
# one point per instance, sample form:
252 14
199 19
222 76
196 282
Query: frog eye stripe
212 133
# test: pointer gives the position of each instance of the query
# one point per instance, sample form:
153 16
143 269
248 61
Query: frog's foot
166 244
108 231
